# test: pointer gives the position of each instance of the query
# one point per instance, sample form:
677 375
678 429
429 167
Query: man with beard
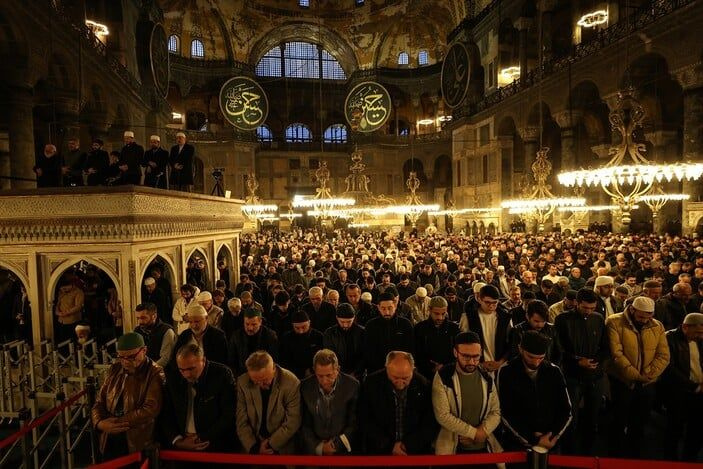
130 159
433 339
346 339
405 287
534 401
214 312
567 304
300 345
640 354
48 167
247 340
455 305
73 162
96 164
672 306
321 313
608 304
385 333
279 317
364 311
151 294
181 159
535 320
179 309
211 339
154 162
159 337
233 319
465 402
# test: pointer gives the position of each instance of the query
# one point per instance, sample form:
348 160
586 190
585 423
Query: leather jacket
141 395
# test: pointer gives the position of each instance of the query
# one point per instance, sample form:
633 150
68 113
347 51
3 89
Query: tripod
218 190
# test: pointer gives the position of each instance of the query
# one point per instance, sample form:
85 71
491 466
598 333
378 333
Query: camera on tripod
218 173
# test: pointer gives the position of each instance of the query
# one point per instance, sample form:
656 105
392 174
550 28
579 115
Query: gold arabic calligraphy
367 107
244 104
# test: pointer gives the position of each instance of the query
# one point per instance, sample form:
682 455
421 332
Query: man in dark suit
329 400
251 338
395 409
152 294
130 159
199 403
211 339
96 163
154 162
181 159
385 333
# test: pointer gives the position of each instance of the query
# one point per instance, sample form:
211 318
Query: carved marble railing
117 214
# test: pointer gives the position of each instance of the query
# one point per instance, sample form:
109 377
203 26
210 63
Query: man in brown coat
129 400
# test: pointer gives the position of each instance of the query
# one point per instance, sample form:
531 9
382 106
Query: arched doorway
15 312
197 269
225 264
161 290
85 293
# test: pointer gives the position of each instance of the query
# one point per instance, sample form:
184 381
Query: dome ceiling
359 36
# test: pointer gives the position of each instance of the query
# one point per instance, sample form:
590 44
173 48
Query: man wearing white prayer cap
608 303
131 158
154 163
181 160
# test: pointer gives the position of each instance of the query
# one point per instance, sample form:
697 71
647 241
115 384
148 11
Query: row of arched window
423 58
298 133
197 48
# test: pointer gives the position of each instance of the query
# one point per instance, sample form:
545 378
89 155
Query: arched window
422 58
336 133
298 133
300 60
263 134
304 3
403 58
197 50
174 44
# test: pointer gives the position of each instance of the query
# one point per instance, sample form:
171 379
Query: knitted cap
130 341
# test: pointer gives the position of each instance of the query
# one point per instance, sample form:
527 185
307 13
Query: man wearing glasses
492 323
465 402
129 400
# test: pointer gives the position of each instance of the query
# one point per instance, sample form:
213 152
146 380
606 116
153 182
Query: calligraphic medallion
455 75
367 107
244 103
159 59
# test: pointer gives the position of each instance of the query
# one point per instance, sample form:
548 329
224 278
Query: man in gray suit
329 407
269 390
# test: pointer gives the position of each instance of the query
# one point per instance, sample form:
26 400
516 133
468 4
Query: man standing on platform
73 162
131 157
130 399
181 159
155 162
96 164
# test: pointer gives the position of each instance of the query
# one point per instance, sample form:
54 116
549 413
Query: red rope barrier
611 463
145 464
581 462
120 462
42 419
343 461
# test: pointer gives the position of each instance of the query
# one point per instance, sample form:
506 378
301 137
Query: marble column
566 121
530 138
21 133
522 24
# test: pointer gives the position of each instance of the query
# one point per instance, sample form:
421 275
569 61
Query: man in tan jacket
69 309
129 400
267 389
639 355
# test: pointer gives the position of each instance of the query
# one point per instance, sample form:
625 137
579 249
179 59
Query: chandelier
593 19
414 208
657 198
322 203
253 209
629 176
538 202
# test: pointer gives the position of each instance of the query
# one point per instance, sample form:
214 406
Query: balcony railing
604 38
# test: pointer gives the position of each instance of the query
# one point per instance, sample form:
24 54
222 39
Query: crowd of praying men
385 344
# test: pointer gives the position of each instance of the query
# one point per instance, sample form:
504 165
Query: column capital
690 76
529 133
523 23
568 119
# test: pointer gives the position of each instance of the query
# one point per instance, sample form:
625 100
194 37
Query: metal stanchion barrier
537 458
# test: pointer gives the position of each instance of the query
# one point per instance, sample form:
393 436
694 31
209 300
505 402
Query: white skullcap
196 311
155 137
477 287
421 292
149 281
82 327
311 262
603 280
128 133
366 296
204 296
693 319
180 134
282 259
643 303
